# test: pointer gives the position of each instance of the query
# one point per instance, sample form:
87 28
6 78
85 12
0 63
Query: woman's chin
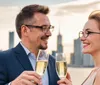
85 51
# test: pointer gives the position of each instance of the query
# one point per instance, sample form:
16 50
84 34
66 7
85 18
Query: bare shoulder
97 79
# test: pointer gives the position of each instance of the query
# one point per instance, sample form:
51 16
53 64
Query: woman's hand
65 81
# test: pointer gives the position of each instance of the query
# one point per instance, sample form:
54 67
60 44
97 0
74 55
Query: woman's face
90 40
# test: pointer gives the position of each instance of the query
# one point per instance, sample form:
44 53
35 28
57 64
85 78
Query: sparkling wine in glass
42 61
61 65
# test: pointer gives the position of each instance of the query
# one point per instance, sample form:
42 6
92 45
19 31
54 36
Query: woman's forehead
91 25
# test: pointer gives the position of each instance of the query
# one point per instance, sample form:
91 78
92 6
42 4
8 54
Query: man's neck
32 49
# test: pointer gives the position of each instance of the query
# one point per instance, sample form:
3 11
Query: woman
90 37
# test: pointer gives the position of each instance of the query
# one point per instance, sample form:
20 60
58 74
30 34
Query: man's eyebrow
87 29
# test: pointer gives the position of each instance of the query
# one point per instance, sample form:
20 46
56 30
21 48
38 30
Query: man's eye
87 32
44 27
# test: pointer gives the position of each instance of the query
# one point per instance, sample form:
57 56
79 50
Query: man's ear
24 30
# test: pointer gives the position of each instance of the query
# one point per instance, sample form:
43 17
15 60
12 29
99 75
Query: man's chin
43 47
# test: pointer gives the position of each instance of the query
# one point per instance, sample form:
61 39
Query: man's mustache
44 37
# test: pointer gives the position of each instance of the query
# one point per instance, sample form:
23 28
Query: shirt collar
26 50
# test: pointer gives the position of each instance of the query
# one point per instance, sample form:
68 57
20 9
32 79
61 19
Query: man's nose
48 33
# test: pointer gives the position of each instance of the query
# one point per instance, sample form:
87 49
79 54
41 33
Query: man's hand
27 78
65 81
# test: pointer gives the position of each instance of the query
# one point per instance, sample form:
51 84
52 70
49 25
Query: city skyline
70 24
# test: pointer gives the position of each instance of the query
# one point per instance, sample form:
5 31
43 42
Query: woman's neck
96 58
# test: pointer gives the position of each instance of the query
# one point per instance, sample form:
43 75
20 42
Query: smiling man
17 65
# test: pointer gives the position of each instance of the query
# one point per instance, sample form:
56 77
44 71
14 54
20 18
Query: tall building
11 39
87 60
78 58
77 52
72 58
59 43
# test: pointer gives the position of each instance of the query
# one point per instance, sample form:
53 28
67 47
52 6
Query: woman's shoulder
97 78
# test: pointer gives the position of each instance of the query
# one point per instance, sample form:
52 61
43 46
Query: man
17 65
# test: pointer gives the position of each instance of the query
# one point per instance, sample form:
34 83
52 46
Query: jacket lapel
53 77
22 57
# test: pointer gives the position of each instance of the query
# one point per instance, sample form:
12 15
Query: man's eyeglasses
44 28
86 34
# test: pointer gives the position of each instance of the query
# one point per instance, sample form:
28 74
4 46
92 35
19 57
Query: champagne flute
42 61
61 65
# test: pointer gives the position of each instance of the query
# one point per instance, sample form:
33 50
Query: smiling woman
90 37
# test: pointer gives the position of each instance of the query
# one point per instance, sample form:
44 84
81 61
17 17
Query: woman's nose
82 38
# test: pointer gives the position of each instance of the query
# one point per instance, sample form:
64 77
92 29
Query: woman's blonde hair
96 16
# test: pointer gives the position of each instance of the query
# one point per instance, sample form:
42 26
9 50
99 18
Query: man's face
37 38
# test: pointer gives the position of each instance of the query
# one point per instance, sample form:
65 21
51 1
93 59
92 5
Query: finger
25 82
64 81
30 77
61 81
36 80
68 76
68 82
32 73
62 84
31 82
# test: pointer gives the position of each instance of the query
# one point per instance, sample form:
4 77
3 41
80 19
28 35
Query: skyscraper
11 39
59 43
78 52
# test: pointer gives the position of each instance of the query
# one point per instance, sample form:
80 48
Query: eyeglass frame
44 29
87 33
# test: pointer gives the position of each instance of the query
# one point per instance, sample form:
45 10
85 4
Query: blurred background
68 17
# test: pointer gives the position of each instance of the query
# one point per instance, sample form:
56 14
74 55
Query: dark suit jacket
14 61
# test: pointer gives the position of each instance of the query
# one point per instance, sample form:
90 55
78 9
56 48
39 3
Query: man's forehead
40 15
41 18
